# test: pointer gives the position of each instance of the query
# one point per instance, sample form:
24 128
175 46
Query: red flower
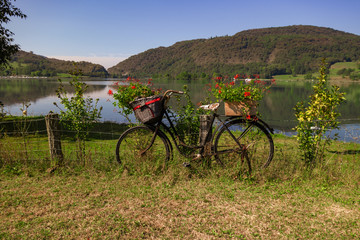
248 117
217 85
247 94
218 78
237 76
110 92
128 79
219 91
133 87
232 83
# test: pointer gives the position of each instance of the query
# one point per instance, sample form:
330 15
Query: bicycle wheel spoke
139 153
253 145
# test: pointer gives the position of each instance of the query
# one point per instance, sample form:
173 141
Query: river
276 108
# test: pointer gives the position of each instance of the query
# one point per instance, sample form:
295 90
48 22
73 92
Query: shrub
79 113
317 117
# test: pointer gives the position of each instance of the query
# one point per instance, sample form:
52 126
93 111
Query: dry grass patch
97 206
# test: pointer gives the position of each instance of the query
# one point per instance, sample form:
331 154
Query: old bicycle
237 143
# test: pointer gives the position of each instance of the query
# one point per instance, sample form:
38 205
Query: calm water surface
276 108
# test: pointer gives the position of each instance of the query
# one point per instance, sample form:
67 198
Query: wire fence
27 140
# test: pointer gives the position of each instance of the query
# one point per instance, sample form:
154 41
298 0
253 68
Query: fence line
99 121
21 132
32 148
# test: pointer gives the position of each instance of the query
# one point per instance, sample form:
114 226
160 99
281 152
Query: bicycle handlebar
169 92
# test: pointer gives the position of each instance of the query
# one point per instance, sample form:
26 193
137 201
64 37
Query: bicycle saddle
212 107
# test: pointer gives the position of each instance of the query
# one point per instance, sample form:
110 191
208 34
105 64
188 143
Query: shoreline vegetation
286 77
337 72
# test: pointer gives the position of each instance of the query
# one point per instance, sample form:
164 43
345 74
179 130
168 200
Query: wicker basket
148 110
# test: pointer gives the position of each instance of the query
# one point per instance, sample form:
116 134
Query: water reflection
276 108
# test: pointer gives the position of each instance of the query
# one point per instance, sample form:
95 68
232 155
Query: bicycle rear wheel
140 153
243 147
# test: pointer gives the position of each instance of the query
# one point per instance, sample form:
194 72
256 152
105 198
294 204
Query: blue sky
109 31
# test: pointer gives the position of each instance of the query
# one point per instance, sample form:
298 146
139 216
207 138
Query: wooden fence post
54 137
204 134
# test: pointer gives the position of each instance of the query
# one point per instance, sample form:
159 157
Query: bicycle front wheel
243 146
140 152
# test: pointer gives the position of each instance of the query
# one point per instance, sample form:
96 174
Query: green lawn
96 199
340 65
333 72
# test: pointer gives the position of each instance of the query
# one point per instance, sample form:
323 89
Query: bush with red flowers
127 91
240 88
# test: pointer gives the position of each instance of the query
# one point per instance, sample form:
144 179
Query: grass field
340 65
100 201
332 72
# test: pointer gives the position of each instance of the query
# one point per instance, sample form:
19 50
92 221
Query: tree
7 49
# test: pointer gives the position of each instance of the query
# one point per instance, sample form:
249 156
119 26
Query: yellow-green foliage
319 116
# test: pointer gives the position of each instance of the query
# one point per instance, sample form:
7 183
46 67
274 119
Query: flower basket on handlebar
148 110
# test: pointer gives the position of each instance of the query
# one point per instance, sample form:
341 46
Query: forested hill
269 51
27 63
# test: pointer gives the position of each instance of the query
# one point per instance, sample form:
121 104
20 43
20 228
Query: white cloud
107 62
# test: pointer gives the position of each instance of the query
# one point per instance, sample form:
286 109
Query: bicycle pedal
197 157
186 164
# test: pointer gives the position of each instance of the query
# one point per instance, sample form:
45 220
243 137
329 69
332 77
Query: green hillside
268 51
29 64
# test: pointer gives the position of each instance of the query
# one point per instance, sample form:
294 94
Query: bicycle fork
152 141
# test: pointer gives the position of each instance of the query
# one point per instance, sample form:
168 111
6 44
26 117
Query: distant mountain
269 51
28 63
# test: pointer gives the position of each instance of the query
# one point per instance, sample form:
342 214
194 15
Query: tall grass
340 165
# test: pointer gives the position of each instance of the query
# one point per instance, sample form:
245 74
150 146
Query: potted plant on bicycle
141 98
241 94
